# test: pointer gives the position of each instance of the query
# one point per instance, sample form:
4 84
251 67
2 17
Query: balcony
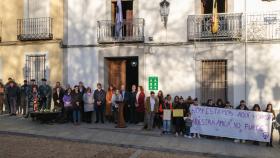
199 27
131 31
263 26
32 29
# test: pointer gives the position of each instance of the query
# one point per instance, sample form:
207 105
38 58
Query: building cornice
167 44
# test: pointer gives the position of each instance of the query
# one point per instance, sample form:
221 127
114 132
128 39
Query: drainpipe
246 41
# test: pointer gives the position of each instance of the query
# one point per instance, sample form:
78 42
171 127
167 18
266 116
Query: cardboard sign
178 113
166 114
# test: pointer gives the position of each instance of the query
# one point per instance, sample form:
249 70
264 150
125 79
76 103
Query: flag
119 20
215 18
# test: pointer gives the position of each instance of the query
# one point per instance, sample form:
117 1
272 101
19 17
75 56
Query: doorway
122 71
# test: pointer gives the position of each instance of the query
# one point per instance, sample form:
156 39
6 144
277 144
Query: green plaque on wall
153 83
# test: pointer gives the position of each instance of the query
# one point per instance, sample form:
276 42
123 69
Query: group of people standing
23 99
119 106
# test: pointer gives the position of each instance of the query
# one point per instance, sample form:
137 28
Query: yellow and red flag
215 17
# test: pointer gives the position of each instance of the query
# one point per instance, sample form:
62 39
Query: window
213 80
127 12
207 6
35 67
37 8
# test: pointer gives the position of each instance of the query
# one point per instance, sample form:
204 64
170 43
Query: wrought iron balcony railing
263 26
34 29
129 31
199 27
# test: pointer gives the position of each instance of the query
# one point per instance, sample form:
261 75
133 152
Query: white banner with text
231 123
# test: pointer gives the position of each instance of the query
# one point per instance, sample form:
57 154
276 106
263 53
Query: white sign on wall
231 123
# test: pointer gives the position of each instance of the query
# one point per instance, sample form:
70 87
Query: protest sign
231 123
178 113
166 114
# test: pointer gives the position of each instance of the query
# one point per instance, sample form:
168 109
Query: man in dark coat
25 90
58 94
82 90
126 102
132 104
12 93
45 92
99 102
6 97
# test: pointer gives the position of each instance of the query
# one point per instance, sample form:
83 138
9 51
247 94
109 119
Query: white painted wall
175 68
261 6
82 65
83 17
177 20
263 74
82 20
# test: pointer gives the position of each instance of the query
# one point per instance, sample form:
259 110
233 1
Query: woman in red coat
140 108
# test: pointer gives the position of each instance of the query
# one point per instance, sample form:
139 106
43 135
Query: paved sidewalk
135 137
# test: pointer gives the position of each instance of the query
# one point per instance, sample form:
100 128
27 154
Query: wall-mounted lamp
164 11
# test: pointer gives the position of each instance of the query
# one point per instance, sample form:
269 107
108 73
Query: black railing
128 31
34 29
230 27
263 26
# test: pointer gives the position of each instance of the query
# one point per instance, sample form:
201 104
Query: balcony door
39 12
207 6
127 12
36 8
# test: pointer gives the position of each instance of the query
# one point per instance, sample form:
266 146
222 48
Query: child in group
188 124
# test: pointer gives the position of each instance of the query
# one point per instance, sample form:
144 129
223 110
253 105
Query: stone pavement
133 136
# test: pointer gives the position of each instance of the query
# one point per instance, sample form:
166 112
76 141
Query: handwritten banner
231 123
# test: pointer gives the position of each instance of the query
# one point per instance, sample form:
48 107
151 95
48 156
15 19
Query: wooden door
117 73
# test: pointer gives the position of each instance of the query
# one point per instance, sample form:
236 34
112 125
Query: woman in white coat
88 104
